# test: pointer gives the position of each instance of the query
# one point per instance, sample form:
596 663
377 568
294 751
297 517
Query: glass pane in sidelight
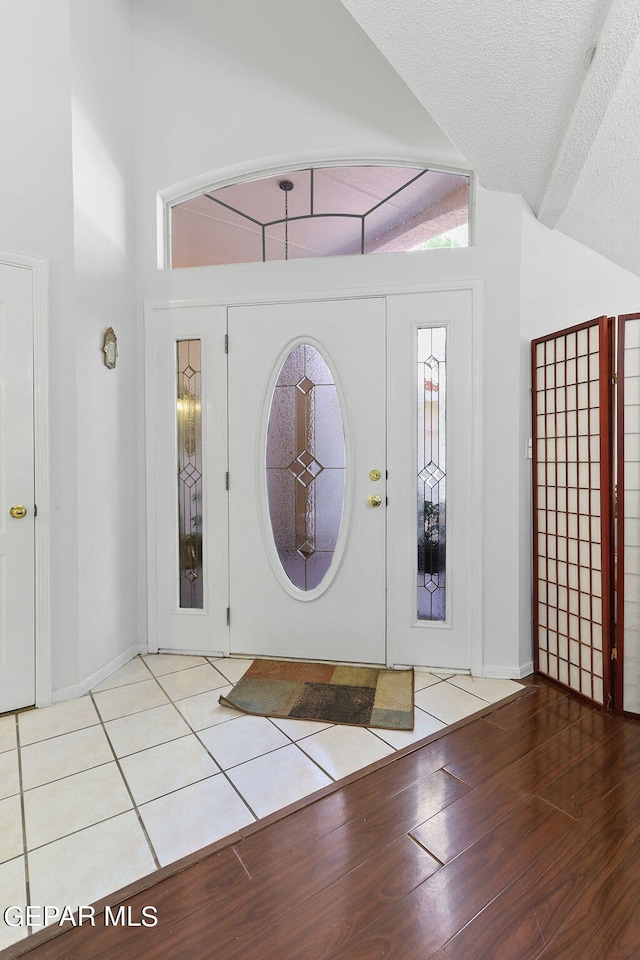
305 464
189 423
432 476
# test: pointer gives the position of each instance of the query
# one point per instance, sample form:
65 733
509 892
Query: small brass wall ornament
110 349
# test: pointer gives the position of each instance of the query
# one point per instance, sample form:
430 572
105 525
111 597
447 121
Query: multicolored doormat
361 696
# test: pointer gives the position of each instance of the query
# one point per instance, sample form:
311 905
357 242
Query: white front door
300 573
307 427
17 639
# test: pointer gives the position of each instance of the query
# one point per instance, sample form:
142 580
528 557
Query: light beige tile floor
61 756
99 791
9 774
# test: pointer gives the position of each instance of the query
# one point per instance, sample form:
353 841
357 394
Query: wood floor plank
595 775
546 763
474 768
306 826
383 822
459 825
522 938
332 917
532 701
528 915
605 925
429 916
300 830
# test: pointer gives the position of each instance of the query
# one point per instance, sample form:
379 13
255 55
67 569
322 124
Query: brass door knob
374 500
18 511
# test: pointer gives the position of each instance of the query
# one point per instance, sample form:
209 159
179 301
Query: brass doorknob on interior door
18 511
374 500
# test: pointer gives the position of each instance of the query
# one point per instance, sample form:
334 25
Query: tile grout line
293 743
27 882
74 833
308 756
101 723
66 776
64 733
152 675
226 777
127 787
196 735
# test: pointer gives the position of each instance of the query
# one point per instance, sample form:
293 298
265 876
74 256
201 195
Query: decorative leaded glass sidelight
431 488
305 464
189 421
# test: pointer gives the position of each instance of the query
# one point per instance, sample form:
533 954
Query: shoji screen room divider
586 510
628 516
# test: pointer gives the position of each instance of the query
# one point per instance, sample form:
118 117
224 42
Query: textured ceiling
542 98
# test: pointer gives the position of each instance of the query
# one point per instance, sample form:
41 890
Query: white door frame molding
476 288
39 268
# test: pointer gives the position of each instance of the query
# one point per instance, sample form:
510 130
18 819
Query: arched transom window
321 212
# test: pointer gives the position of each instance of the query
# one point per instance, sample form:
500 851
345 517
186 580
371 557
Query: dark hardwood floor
514 836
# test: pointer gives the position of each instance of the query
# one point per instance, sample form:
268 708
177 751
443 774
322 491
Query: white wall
562 283
499 246
36 217
65 182
109 426
228 84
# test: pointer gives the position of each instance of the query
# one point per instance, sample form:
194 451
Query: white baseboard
502 672
215 654
527 669
442 671
80 689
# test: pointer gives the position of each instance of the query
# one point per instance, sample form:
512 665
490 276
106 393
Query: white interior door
433 553
307 546
17 639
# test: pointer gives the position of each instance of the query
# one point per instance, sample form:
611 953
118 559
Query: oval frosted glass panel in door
305 465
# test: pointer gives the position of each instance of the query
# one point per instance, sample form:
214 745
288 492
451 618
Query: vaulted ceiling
541 96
